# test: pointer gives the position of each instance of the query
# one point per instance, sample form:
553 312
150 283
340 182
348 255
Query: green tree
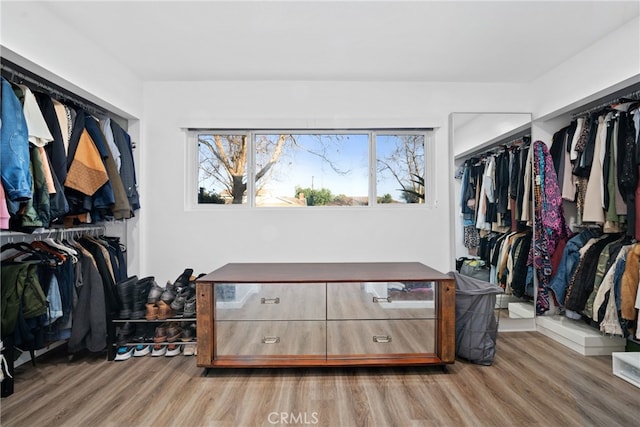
321 197
209 197
385 199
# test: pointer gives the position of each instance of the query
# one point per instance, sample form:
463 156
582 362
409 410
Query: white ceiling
474 41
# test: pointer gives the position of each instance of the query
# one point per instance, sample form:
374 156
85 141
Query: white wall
175 238
603 67
65 56
473 131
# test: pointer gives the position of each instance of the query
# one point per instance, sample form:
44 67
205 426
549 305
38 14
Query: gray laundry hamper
476 322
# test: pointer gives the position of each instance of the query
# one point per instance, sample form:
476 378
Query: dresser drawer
275 301
381 300
378 337
270 338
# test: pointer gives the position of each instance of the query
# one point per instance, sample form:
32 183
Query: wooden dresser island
325 314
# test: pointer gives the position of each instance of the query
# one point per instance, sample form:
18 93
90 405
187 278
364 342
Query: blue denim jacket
14 147
568 264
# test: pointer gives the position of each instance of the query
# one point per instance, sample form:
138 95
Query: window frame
192 166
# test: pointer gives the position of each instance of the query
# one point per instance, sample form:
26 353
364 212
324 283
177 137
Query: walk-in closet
333 213
590 291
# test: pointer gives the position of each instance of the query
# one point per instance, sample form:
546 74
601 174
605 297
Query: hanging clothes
71 282
593 211
14 149
492 195
83 170
550 224
582 281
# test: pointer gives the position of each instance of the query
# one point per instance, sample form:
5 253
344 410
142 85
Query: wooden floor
534 381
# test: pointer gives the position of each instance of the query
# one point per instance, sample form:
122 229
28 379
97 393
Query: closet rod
16 74
496 147
507 145
632 96
13 236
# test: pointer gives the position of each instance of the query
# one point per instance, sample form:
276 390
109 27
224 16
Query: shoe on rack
187 334
160 334
178 304
164 311
184 278
159 338
152 312
174 332
189 309
169 294
159 350
124 352
173 350
154 293
142 350
189 349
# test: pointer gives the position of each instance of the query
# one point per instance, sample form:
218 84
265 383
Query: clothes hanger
49 250
23 252
53 243
67 250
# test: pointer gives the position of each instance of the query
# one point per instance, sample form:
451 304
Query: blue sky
299 166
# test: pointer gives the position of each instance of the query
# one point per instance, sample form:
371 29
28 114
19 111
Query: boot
140 295
125 292
184 278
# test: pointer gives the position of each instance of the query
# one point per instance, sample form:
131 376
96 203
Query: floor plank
533 381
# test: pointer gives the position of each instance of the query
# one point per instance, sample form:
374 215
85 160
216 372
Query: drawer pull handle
382 338
380 299
275 300
270 340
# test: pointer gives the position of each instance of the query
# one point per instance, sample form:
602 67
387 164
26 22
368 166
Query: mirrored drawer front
359 337
381 300
260 301
270 338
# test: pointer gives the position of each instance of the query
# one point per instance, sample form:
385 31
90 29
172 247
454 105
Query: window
312 168
400 162
222 168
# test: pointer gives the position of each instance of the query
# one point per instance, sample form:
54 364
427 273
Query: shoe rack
161 317
146 333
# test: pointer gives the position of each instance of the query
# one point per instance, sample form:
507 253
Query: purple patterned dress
550 225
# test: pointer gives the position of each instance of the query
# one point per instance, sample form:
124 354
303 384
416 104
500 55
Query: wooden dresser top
323 272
